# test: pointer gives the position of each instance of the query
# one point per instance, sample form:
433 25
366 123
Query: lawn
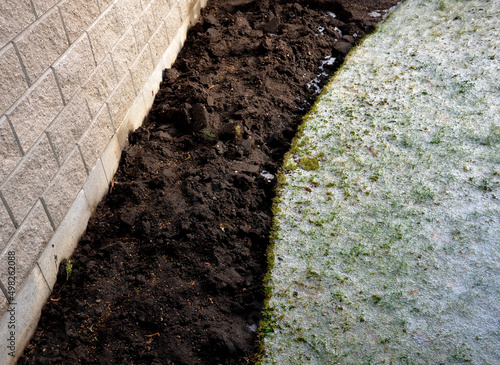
386 241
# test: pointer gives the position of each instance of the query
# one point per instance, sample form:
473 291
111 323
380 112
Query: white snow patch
267 175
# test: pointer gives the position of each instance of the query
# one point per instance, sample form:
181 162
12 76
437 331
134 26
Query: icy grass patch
387 222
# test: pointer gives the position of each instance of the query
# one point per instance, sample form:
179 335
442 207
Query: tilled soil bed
170 269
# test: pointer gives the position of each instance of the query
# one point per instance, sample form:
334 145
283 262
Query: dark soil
170 270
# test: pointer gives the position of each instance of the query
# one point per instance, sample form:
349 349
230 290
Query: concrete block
29 302
127 12
69 126
136 114
12 80
104 4
124 130
64 187
152 86
111 157
159 43
196 12
74 67
144 27
145 3
161 9
27 244
183 29
186 6
30 179
14 17
96 138
100 85
104 33
10 154
7 227
78 15
173 50
65 238
121 99
173 22
149 98
142 68
41 6
42 43
36 110
124 53
96 186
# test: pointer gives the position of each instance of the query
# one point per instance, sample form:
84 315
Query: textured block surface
158 43
100 85
9 149
121 99
12 80
103 4
6 227
14 17
27 243
124 53
69 126
41 6
28 182
173 22
185 7
74 67
36 110
142 68
104 33
96 138
42 44
144 27
127 12
161 9
78 15
64 187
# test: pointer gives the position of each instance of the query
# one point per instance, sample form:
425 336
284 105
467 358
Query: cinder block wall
75 77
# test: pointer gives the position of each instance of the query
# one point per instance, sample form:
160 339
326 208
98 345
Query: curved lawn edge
385 245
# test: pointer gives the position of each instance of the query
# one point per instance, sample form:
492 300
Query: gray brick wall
75 77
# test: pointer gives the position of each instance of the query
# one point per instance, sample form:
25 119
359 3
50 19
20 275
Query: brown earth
170 269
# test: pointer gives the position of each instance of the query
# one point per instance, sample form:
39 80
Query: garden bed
170 269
